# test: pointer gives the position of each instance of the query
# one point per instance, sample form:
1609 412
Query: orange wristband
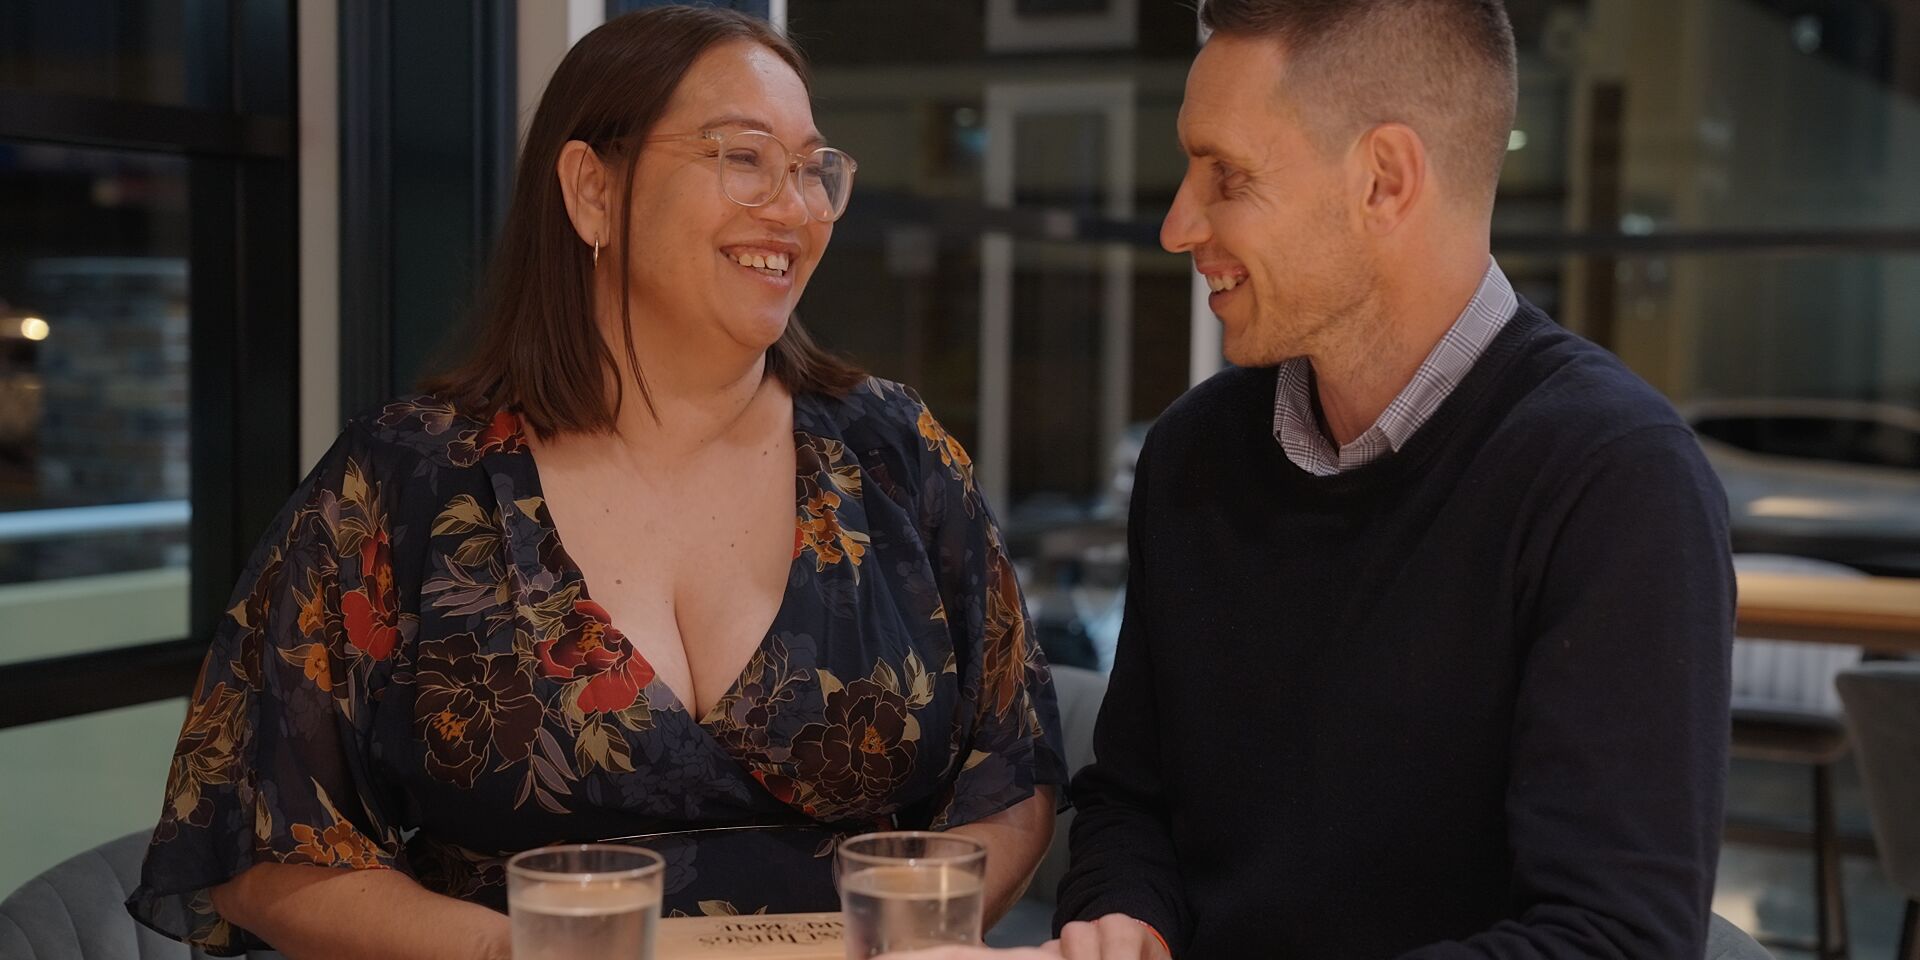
1156 936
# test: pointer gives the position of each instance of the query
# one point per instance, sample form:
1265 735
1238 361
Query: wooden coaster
783 936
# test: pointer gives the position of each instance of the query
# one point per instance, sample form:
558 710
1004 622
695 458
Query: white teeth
775 262
1221 284
765 262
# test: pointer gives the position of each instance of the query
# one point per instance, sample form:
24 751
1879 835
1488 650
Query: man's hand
1115 936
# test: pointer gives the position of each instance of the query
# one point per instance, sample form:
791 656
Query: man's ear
1394 164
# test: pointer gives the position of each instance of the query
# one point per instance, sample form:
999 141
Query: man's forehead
1214 126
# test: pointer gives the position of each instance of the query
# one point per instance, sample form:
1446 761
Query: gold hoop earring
596 252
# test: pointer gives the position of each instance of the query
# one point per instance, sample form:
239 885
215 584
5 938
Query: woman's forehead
744 86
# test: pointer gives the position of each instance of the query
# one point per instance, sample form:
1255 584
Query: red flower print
501 435
589 645
373 623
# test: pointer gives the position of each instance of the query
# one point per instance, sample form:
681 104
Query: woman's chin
759 333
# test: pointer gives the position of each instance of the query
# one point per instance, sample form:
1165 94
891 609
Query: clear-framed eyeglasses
754 166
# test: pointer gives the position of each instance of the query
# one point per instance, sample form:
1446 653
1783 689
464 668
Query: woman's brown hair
539 349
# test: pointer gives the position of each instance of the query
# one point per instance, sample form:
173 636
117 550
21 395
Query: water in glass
890 908
571 921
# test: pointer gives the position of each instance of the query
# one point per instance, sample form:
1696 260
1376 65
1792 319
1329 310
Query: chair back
1728 942
1079 692
1883 714
76 910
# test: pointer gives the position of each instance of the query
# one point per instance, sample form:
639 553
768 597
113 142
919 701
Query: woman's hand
1016 839
337 914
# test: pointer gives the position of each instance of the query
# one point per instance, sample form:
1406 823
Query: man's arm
1122 855
1621 727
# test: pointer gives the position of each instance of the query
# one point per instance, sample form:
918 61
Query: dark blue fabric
1467 701
413 675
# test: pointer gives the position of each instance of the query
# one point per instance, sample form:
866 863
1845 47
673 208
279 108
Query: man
1430 603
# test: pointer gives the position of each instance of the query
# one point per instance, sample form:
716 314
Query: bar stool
1786 710
1883 710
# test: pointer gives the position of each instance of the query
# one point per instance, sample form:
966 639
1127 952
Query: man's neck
1357 375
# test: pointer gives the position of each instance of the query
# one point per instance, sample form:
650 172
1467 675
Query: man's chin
1244 351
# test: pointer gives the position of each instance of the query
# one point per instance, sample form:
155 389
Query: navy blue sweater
1467 701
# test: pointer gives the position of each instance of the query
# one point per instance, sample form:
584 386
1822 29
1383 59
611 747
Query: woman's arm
1016 839
336 914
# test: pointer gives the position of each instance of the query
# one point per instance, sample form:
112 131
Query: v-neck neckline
567 570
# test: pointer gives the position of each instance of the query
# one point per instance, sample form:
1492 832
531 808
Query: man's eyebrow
1198 150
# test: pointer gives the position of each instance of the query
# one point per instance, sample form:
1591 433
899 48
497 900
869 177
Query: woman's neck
693 404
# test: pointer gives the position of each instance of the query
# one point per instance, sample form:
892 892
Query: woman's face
689 239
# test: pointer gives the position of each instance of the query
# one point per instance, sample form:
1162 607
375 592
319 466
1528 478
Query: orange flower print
942 443
1007 647
824 477
313 614
313 661
821 532
339 845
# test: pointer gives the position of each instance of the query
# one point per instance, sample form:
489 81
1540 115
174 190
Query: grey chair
1786 710
1883 710
75 911
1079 692
1728 942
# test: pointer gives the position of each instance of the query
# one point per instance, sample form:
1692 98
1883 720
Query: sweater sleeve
1618 769
1122 856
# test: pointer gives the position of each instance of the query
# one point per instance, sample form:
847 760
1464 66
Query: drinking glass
584 902
909 890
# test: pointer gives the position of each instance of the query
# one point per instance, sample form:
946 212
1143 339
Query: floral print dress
414 676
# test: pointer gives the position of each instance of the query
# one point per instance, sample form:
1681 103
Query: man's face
1265 212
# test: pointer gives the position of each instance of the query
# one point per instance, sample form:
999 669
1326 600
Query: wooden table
1880 614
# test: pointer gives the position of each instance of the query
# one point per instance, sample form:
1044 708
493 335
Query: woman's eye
743 158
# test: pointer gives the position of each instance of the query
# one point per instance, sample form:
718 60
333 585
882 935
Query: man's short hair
1446 68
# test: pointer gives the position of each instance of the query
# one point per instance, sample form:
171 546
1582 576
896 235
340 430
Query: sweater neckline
1458 409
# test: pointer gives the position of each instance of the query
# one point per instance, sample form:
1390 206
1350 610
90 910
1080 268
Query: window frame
243 309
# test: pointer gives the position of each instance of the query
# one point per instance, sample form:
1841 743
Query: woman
750 605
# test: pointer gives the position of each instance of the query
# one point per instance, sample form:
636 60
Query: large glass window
147 387
1720 191
1001 254
94 426
150 51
